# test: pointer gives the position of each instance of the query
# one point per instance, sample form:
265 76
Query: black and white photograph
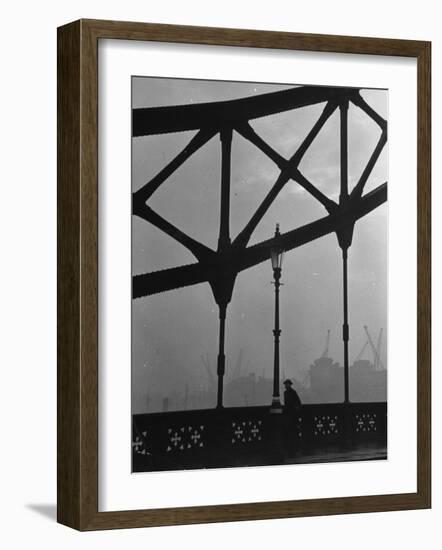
259 274
221 267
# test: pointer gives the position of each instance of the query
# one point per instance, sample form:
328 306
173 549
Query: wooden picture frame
77 460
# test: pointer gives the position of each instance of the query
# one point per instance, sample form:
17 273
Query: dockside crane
327 345
378 347
361 353
206 363
238 365
377 363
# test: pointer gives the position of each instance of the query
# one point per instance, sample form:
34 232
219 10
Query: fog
175 333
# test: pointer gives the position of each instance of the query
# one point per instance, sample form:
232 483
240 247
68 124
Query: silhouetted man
292 408
292 403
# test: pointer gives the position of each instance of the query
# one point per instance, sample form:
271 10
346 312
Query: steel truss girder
238 259
221 267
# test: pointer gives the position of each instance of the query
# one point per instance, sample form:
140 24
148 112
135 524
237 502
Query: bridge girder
221 267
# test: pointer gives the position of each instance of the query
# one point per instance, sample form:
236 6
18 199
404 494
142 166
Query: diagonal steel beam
239 259
359 187
327 203
145 192
249 133
200 251
360 102
288 172
330 224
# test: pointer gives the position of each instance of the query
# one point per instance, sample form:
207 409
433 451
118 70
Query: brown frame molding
77 409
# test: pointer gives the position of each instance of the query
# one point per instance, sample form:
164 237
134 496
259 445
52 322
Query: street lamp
276 256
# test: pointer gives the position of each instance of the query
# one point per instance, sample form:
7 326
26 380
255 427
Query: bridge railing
250 435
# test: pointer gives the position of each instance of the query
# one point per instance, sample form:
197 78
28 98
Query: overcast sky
173 329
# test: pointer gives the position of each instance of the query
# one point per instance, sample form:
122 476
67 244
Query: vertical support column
345 326
226 150
221 356
343 107
344 238
223 243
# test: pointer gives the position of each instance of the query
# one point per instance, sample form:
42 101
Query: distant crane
206 363
377 363
237 369
378 347
327 344
361 353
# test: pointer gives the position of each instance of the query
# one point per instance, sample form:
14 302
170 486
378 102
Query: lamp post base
276 407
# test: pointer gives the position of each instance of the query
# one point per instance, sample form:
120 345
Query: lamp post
276 255
344 238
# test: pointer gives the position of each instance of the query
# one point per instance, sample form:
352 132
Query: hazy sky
173 329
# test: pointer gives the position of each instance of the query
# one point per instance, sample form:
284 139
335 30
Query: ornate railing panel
252 435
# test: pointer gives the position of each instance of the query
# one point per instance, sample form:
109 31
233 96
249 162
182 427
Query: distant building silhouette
326 381
367 382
